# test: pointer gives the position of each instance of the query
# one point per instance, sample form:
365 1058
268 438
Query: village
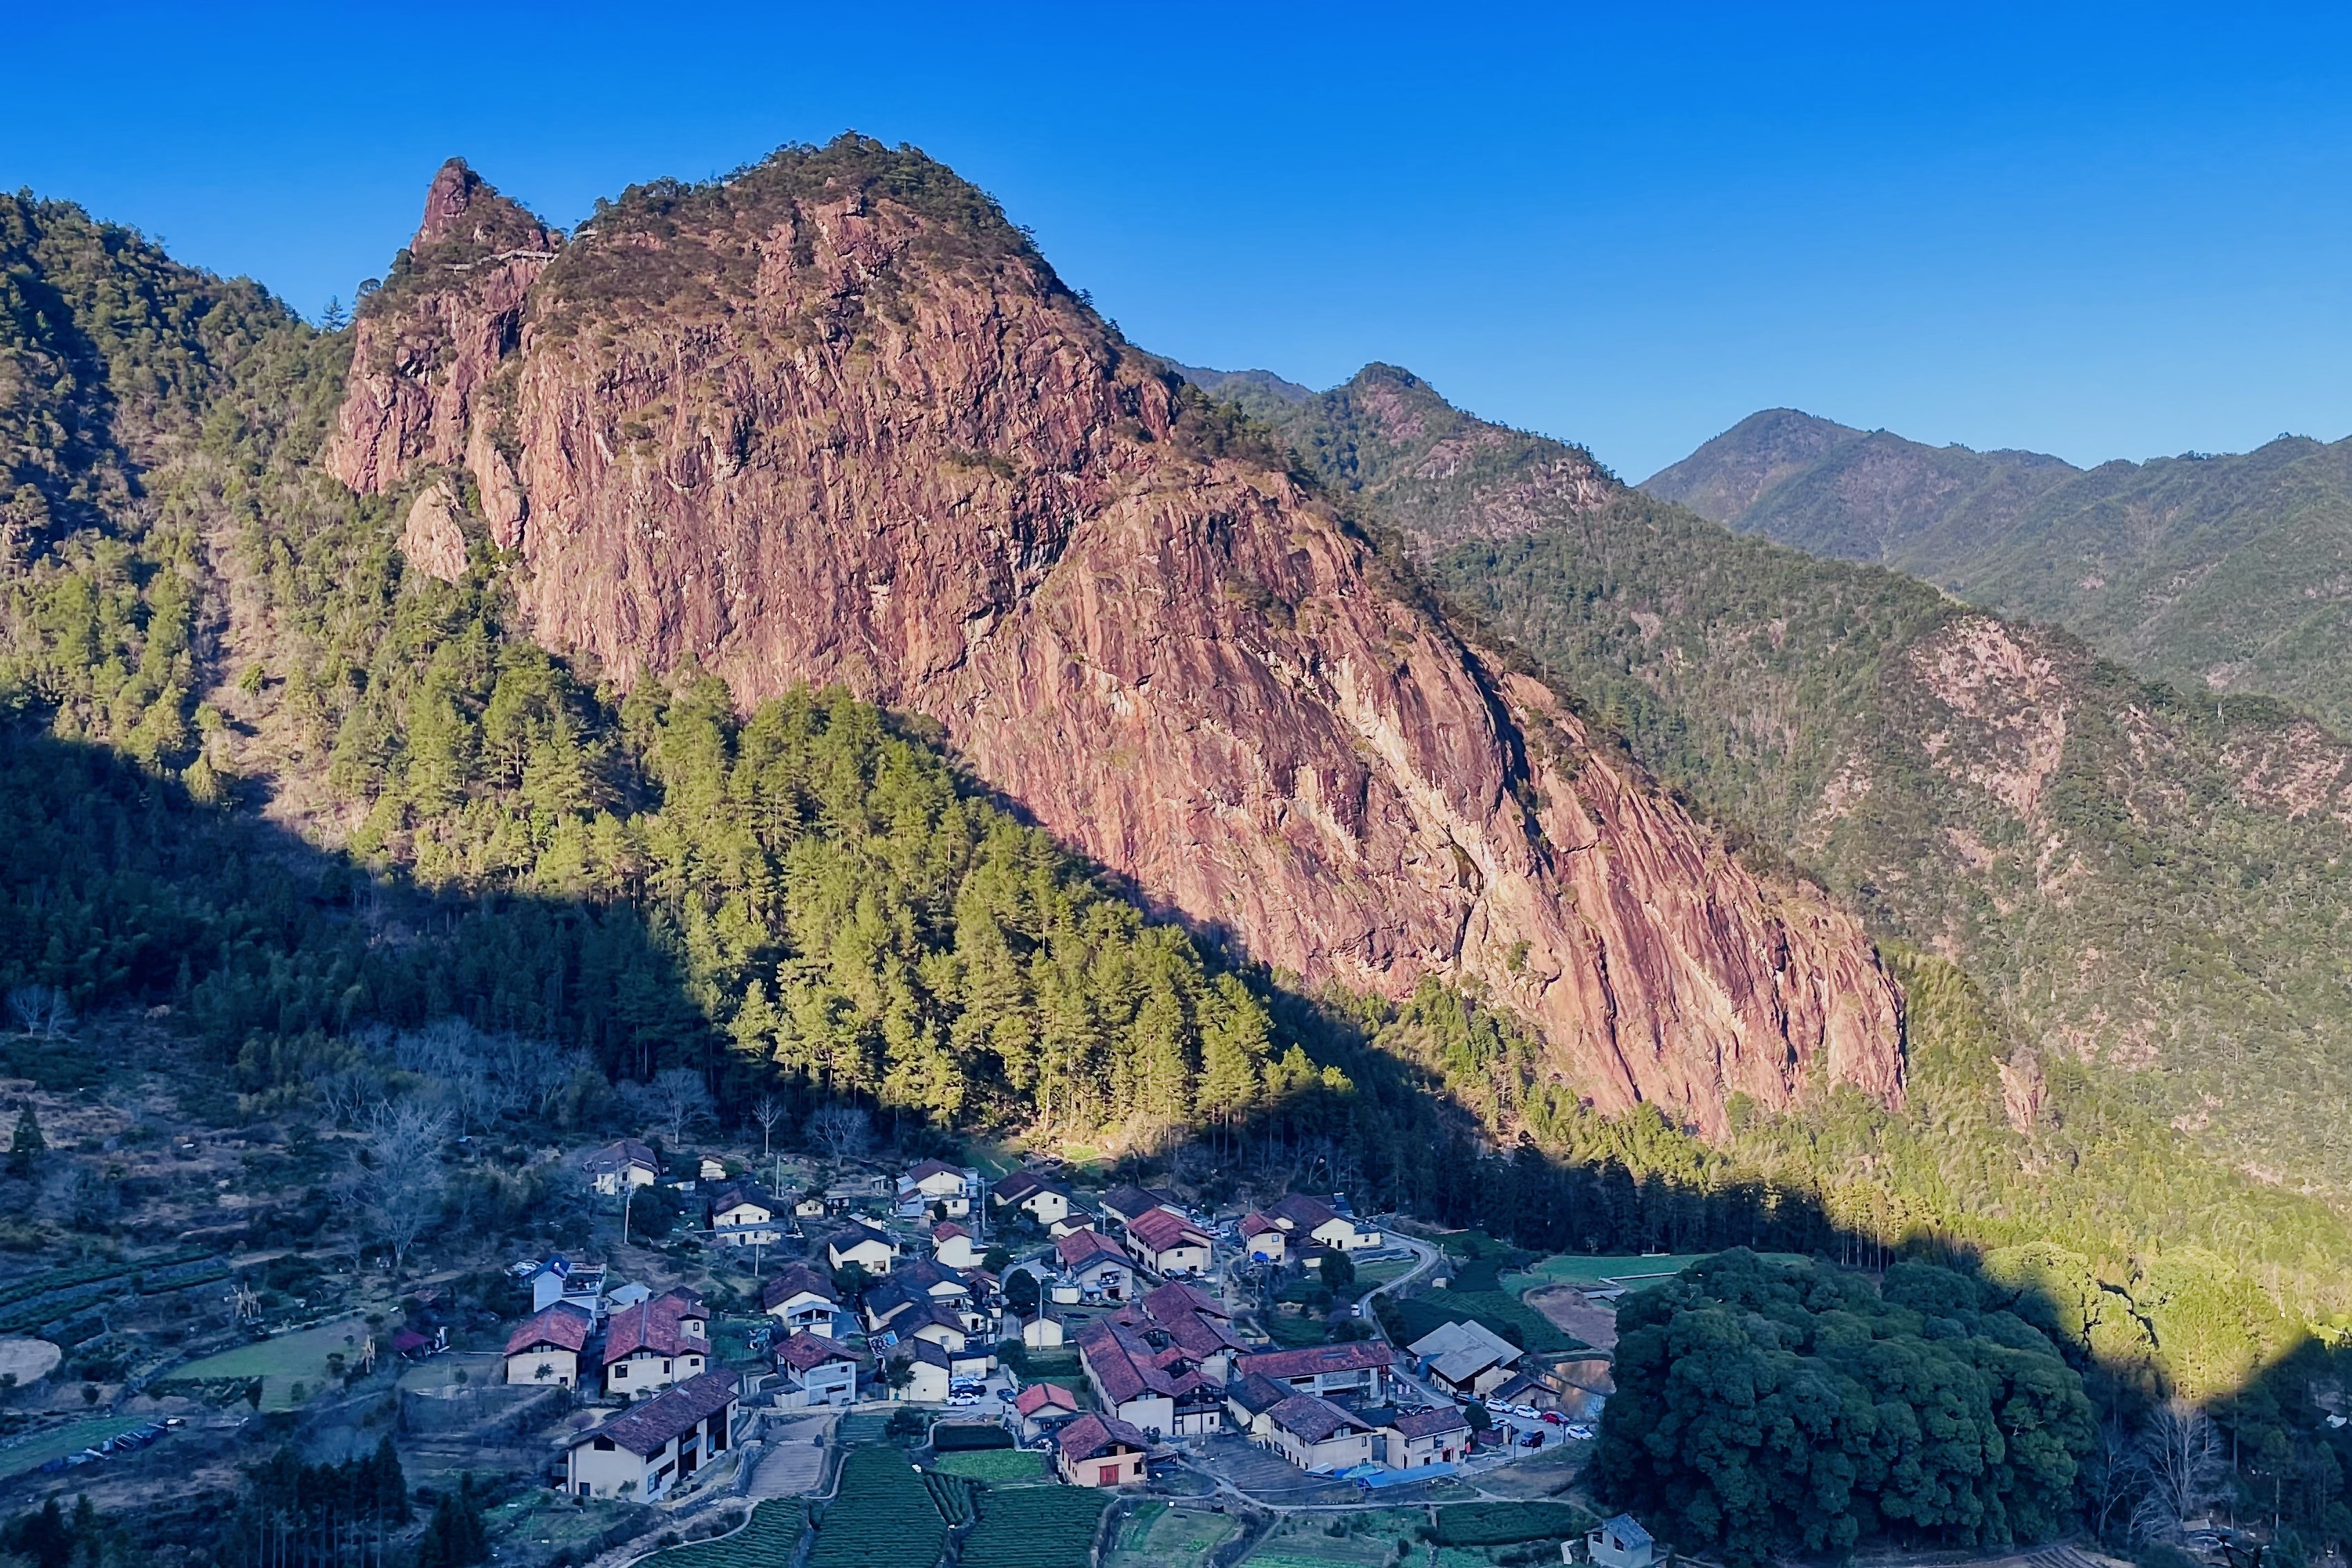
728 1339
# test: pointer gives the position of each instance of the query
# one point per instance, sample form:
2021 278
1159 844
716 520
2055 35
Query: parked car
1496 1407
1580 1433
1555 1418
963 1399
1525 1413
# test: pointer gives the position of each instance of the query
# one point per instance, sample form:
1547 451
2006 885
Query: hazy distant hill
2230 574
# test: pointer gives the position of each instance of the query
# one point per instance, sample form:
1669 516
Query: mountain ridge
726 405
2229 573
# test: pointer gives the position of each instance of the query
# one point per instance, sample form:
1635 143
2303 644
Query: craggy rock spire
833 420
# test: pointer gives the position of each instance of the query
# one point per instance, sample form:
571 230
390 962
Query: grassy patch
42 1446
1306 1541
299 1354
1506 1523
1158 1536
997 1467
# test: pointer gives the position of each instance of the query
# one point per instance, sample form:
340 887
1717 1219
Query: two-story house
871 1250
804 1300
1091 1268
625 1164
643 1454
1311 1219
742 1216
1168 1245
544 1352
1359 1370
935 1182
816 1374
657 1343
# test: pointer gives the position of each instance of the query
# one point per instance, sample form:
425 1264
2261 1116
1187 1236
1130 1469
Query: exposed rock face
431 538
835 421
429 341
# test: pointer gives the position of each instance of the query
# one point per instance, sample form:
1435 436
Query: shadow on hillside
119 886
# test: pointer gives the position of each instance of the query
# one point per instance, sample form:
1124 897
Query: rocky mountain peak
835 421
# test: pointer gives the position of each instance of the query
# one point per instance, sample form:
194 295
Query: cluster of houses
913 1310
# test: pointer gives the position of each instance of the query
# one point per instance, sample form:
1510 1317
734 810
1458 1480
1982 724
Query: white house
871 1250
1620 1543
1263 1239
1100 1451
558 1278
1316 1435
818 1374
1046 1202
1412 1439
1316 1220
936 1181
804 1300
643 1454
657 1344
625 1163
742 1216
1166 1245
952 1245
1092 1267
544 1352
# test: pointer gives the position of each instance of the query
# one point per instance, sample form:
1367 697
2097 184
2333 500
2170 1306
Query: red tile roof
1311 1419
1125 1367
1039 1396
792 1281
1255 1224
1080 1248
1431 1423
805 1349
1303 1211
1159 1230
672 1413
1091 1435
561 1325
1315 1359
657 1327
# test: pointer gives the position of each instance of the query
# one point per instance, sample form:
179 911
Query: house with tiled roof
936 1181
1153 1386
544 1351
816 1373
1091 1268
933 1368
871 1250
1123 1203
1262 1240
1311 1219
1100 1451
1316 1435
625 1163
955 1244
740 1215
1359 1370
1413 1438
655 1343
802 1300
1247 1400
1042 1199
1042 1408
645 1453
1168 1245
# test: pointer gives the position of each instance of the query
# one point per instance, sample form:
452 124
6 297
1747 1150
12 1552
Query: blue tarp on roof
1404 1478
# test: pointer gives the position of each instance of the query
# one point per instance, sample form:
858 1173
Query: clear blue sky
2110 233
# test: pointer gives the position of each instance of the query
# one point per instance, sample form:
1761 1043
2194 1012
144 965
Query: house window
584 1488
665 1366
621 1369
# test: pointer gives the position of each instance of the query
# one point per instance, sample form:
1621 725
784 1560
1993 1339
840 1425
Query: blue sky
2098 232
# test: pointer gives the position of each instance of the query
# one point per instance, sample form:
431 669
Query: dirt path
1574 1312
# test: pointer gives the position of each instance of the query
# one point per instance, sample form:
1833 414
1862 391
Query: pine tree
26 1146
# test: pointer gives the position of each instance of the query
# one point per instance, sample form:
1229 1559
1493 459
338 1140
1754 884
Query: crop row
1505 1523
1034 1527
766 1543
882 1516
56 1279
951 1495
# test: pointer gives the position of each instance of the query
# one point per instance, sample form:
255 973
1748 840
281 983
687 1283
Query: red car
1554 1417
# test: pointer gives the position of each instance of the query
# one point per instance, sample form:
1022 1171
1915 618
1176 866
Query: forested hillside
262 772
2143 881
2228 572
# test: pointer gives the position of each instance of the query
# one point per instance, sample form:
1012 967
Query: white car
1527 1413
1496 1407
963 1399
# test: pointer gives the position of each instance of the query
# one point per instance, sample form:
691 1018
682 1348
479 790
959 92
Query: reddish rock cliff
835 421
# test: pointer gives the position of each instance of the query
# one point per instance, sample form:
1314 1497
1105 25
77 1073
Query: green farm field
997 1467
41 1448
1158 1536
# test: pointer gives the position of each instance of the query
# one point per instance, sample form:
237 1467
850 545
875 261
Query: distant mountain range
2142 880
2224 574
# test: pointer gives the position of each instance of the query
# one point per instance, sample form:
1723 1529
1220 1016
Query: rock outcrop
835 420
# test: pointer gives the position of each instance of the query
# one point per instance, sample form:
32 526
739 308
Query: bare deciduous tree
677 1099
767 1111
41 1010
400 1188
841 1131
2183 1469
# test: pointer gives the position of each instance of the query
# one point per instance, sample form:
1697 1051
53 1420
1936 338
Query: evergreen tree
27 1145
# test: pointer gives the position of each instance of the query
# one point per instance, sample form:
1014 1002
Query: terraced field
766 1543
1034 1527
